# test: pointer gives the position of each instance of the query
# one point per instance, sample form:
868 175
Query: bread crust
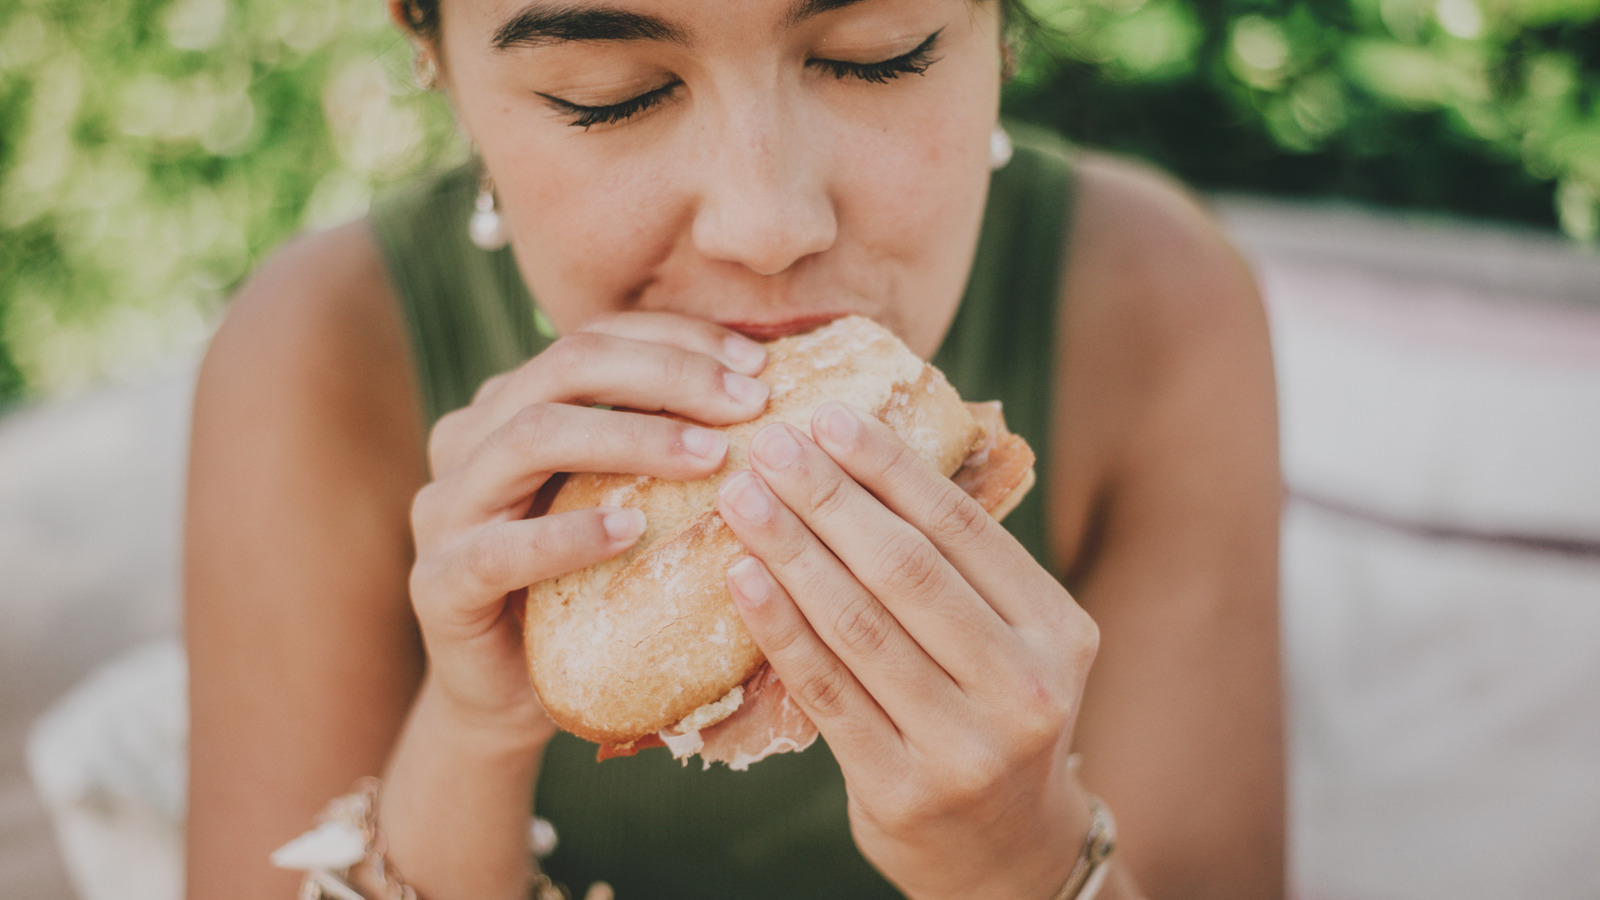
632 645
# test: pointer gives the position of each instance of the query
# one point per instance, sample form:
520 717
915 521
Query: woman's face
765 164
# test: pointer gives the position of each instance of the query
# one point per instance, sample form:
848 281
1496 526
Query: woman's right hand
476 545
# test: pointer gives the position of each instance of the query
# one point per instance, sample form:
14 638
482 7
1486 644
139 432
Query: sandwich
646 648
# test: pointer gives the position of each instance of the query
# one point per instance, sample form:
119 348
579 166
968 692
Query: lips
777 328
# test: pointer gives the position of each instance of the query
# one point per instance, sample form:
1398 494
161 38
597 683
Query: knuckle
485 560
824 691
1086 645
424 506
785 637
442 441
528 425
789 547
829 497
421 579
1038 716
957 520
567 354
489 386
864 626
911 566
903 465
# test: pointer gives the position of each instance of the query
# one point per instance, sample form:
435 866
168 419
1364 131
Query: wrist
1093 862
457 796
518 732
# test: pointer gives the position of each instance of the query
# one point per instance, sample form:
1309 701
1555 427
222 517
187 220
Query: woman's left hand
941 662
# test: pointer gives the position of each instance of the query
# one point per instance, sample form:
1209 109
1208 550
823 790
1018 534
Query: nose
764 202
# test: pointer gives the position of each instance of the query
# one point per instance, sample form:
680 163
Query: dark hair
422 16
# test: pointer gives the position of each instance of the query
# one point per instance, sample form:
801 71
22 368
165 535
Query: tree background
153 151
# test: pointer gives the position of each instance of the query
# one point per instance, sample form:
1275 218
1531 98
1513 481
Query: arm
303 651
306 665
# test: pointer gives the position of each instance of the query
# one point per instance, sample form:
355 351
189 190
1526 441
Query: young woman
675 178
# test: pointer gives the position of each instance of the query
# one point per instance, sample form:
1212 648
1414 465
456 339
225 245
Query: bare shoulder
320 315
1152 260
305 453
1164 340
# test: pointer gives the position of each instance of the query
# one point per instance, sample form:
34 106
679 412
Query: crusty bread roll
632 646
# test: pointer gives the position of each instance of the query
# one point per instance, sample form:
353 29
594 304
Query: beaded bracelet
347 838
1093 864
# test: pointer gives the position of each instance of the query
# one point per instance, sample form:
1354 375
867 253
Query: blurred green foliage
152 151
1486 107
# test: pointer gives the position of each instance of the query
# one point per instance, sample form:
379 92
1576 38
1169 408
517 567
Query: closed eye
914 63
587 117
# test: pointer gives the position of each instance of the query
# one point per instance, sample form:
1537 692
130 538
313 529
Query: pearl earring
486 228
423 71
1000 149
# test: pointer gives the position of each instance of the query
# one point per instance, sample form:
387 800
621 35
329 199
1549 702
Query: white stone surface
90 509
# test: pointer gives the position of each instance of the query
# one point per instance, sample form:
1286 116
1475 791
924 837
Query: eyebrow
805 9
541 24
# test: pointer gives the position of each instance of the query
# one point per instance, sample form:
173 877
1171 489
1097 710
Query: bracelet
1094 860
347 838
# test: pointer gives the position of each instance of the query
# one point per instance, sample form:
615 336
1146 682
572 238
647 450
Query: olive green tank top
649 826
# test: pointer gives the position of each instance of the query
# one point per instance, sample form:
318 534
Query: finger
854 725
860 631
731 348
508 468
592 368
987 557
894 561
460 589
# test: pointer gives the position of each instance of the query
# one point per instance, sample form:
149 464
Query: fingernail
745 391
623 524
746 497
705 443
775 447
746 355
749 581
838 424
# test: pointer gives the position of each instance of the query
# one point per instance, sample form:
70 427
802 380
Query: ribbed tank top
652 828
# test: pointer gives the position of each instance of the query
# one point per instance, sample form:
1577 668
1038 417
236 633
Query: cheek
913 199
589 234
919 171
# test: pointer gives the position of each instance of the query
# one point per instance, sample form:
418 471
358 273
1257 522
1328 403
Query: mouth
777 328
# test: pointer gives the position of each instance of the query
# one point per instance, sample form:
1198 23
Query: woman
675 178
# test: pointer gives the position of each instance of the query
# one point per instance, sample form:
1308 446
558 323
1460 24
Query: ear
398 15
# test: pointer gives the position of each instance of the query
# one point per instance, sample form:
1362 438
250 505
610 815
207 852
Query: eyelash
915 62
587 117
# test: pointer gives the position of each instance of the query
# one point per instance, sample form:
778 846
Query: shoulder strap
468 312
1002 342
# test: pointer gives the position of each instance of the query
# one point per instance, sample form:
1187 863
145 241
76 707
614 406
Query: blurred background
1416 183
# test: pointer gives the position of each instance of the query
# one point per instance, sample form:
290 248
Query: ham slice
769 722
998 474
